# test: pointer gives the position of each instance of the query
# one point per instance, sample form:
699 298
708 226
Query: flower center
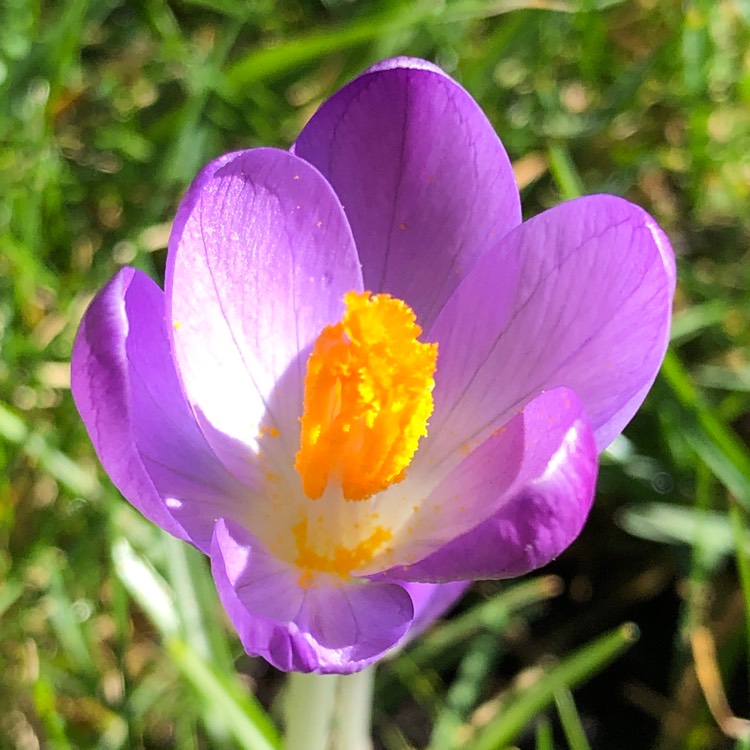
342 559
368 396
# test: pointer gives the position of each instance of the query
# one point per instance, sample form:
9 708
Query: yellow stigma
368 396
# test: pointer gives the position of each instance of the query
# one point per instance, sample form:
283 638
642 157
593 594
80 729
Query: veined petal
514 456
532 526
338 627
259 261
126 391
423 178
579 296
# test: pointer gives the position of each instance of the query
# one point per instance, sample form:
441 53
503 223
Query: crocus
367 381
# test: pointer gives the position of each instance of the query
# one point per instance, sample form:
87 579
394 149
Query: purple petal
579 296
431 601
126 390
424 180
404 62
259 260
322 627
491 476
532 526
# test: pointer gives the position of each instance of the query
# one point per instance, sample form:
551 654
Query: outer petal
259 260
320 628
541 438
531 528
579 296
424 180
126 390
431 601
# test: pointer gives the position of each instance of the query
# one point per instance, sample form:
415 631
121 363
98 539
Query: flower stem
354 711
329 712
309 709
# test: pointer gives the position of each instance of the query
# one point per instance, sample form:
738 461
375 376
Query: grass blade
544 737
714 442
57 464
272 61
465 690
243 715
245 718
571 721
577 668
492 615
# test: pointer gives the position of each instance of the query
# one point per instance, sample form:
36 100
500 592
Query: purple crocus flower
367 382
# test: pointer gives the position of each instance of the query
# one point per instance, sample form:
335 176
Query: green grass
110 633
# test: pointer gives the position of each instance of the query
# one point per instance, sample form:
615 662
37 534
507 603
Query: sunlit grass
111 635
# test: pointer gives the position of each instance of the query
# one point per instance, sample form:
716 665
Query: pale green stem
354 711
328 712
309 709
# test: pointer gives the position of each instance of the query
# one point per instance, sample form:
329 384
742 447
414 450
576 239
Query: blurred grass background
110 633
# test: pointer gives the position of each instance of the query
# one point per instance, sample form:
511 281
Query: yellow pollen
264 431
343 560
368 396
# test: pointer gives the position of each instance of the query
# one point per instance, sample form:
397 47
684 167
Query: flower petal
424 179
579 296
551 428
126 390
531 527
431 601
333 627
259 260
